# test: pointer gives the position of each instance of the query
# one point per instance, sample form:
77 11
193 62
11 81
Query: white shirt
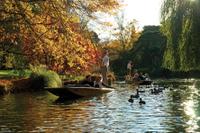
106 60
129 65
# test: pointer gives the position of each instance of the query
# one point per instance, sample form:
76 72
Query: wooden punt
78 91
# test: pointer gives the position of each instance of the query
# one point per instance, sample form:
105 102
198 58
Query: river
176 109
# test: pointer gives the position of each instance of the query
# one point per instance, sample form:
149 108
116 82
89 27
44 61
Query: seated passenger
141 76
147 76
87 81
70 82
99 82
136 76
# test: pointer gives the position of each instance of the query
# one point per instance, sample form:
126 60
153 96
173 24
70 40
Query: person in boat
147 76
70 82
98 83
141 76
136 76
105 67
129 68
88 80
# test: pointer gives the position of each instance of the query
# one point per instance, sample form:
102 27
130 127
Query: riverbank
15 85
12 82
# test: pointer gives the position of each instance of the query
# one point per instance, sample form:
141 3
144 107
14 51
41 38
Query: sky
145 12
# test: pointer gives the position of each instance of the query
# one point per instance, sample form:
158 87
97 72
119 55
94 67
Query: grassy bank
12 81
10 74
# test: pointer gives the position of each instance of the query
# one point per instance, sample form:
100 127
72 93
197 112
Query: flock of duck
155 89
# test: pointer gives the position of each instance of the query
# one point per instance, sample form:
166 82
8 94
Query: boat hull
143 82
76 92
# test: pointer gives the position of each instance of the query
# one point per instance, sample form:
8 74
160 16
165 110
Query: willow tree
181 26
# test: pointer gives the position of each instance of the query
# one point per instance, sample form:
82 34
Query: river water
176 109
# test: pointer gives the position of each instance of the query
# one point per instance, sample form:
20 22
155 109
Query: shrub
41 77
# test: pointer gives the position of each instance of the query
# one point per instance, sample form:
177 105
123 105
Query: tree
48 32
125 32
181 26
147 53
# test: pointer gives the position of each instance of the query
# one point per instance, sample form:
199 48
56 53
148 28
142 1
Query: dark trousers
104 72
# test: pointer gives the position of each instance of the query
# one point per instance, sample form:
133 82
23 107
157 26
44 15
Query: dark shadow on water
67 101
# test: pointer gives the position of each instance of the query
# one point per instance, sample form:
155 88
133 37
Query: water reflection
190 107
175 110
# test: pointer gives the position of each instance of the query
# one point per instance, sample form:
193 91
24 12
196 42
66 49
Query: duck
154 91
148 86
141 101
161 88
141 91
131 99
136 95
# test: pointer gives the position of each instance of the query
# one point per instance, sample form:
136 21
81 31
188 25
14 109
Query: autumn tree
49 32
125 31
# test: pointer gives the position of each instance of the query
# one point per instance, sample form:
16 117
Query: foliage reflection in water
176 109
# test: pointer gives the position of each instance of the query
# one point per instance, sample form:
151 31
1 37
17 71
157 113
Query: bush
41 77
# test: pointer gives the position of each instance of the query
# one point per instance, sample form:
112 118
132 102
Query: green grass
14 73
9 74
71 78
45 78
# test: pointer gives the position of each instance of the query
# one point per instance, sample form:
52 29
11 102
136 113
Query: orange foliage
47 33
4 82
